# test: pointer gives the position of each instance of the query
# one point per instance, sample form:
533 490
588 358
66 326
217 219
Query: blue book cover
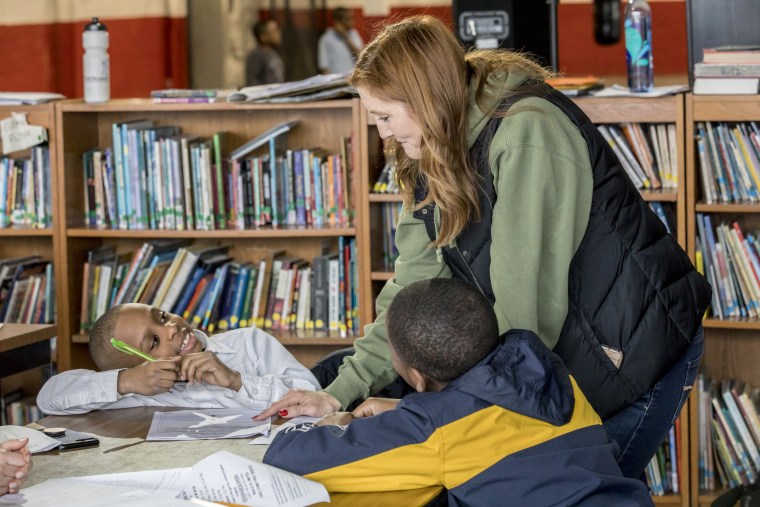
119 173
217 289
226 295
273 182
299 188
317 171
236 308
187 291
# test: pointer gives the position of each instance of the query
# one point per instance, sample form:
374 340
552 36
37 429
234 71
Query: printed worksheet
206 424
227 477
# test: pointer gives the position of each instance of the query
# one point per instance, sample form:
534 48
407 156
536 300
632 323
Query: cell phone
78 443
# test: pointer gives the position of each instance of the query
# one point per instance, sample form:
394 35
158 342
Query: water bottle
97 81
638 46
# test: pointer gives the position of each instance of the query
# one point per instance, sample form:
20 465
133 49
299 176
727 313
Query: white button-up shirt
266 369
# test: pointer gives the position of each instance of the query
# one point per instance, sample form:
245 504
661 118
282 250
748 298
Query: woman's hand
374 406
336 419
206 367
149 378
15 465
298 402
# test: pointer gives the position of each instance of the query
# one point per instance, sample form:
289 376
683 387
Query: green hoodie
543 181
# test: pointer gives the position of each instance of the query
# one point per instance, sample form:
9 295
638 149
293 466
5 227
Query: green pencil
128 349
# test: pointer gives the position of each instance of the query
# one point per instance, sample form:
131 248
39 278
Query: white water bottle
97 79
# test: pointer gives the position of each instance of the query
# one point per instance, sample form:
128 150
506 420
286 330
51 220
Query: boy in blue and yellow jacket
496 420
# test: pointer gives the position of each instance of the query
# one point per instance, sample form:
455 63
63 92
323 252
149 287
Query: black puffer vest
633 294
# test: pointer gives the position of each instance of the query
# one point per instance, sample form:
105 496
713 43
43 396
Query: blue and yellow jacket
515 429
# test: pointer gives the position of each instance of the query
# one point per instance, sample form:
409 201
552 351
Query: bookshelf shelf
742 324
661 195
262 233
148 106
386 198
668 500
16 231
703 207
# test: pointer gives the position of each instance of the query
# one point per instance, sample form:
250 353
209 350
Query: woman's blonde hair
418 62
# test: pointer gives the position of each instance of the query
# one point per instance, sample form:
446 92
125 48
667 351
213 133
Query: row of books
386 181
729 433
728 70
731 262
212 292
648 152
25 196
155 178
390 214
17 409
663 470
27 290
729 161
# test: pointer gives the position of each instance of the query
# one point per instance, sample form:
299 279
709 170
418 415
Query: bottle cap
54 432
95 26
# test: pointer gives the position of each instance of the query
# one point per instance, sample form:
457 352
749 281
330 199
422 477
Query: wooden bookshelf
81 127
731 345
18 241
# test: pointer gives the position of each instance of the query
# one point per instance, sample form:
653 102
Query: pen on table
128 349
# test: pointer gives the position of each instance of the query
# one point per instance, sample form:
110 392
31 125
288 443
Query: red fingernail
283 413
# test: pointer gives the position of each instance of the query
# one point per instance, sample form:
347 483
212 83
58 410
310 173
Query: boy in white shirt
240 368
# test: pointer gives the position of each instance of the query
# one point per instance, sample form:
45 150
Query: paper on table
266 440
38 441
205 424
14 98
166 483
64 492
227 477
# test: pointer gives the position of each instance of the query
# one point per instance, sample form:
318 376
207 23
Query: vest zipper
472 274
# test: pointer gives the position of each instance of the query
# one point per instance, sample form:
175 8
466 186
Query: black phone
68 444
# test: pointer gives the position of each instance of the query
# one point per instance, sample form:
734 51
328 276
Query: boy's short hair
442 327
100 338
341 14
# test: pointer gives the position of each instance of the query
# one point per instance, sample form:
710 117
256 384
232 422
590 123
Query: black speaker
607 21
711 23
526 25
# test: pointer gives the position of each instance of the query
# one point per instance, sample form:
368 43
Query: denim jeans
642 427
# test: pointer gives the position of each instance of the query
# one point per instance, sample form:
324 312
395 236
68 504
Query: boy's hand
206 367
15 465
374 406
336 419
298 402
149 378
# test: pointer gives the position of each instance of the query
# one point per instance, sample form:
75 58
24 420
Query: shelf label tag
16 134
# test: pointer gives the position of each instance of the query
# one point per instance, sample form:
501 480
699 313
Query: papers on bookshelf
624 91
576 86
265 93
186 95
16 134
726 85
221 477
16 98
263 139
207 424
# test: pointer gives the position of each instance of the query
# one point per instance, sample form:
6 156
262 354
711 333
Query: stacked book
386 181
27 291
25 195
729 433
663 471
156 178
187 96
730 259
648 152
728 70
390 213
213 292
729 161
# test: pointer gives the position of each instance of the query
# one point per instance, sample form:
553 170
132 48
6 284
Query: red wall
146 54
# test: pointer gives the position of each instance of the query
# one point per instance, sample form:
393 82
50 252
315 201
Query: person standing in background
339 45
264 64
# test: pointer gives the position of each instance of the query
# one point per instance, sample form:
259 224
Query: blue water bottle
638 46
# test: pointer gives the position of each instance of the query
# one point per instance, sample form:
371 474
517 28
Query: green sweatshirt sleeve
369 370
544 184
